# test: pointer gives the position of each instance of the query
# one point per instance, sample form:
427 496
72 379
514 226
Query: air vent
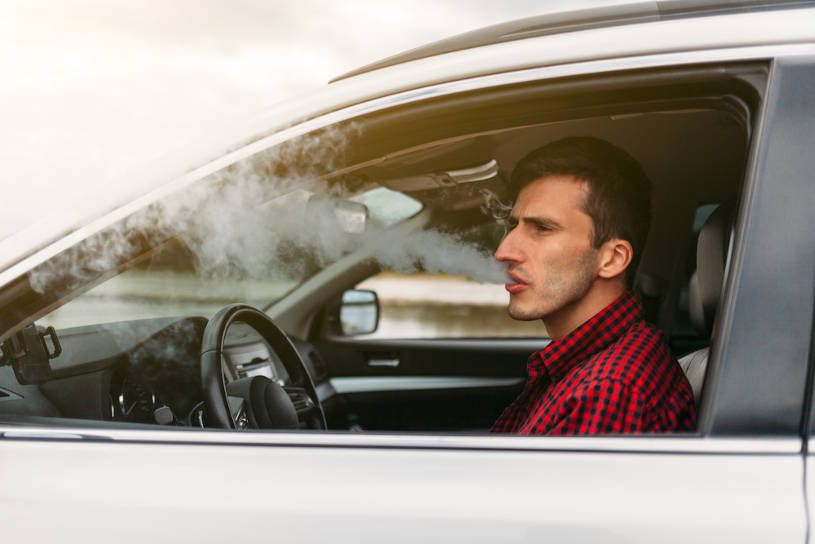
300 399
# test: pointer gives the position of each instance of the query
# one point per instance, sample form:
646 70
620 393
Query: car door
739 478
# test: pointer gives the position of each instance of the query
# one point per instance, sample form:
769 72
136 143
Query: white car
222 358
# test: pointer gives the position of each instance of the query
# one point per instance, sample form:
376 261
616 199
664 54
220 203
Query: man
577 230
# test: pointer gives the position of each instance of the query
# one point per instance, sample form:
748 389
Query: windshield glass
235 252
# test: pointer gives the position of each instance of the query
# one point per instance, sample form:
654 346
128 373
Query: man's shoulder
636 359
641 341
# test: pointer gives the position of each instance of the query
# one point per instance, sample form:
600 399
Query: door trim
370 384
679 444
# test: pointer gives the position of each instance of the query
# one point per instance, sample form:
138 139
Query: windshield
235 252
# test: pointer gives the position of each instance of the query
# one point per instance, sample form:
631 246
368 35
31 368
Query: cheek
565 260
555 252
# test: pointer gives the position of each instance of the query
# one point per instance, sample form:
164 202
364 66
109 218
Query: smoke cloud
271 217
495 207
435 253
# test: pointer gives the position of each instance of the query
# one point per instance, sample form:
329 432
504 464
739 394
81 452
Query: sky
92 89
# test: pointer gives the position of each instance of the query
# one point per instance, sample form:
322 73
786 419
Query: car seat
705 289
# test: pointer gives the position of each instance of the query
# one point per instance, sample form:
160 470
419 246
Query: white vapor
249 222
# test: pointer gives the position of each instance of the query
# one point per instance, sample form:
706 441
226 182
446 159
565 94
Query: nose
509 250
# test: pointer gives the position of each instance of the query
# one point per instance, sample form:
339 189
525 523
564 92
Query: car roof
580 16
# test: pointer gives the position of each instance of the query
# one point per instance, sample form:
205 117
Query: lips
514 288
516 284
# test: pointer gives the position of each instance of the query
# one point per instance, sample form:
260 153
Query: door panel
61 491
434 357
420 408
421 404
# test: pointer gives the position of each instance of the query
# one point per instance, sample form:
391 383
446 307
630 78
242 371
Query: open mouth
515 284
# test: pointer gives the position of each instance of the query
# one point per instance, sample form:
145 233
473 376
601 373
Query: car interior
285 361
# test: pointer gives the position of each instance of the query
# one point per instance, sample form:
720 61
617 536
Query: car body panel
579 16
212 493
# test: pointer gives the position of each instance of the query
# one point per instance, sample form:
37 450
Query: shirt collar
600 331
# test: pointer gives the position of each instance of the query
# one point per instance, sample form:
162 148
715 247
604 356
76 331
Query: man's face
551 260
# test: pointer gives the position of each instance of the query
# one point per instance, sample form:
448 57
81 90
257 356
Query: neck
601 294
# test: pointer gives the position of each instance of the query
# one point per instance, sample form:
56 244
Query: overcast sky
90 89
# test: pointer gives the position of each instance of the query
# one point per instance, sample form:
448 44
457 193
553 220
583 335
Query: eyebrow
537 221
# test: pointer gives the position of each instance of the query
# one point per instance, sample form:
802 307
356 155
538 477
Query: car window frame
735 366
588 68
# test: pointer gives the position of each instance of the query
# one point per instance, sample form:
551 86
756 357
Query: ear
615 256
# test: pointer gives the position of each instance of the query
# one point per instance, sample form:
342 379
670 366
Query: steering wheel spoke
256 402
308 413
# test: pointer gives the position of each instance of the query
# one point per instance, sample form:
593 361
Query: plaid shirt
612 374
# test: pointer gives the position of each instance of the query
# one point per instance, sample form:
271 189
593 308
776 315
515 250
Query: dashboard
145 372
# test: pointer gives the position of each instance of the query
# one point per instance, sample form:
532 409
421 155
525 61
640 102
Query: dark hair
619 197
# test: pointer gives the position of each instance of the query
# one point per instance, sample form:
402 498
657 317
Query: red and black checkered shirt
612 374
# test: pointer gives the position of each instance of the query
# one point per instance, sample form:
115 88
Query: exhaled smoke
494 206
259 219
435 253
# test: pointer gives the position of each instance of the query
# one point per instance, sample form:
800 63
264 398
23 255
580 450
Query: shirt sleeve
601 407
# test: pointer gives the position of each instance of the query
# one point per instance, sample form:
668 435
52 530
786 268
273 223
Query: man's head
580 218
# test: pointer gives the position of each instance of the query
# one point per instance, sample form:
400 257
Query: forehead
554 196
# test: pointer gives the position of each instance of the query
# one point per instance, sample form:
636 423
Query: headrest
711 255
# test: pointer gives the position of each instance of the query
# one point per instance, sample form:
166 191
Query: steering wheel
256 401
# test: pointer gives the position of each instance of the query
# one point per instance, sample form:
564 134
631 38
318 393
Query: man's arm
604 406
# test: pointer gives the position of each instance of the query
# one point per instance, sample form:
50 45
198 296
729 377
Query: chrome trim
628 444
485 345
369 384
42 435
387 363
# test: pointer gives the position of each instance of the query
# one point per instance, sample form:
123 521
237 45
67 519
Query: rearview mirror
359 312
351 217
346 215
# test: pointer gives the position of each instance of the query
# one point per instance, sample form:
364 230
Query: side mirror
359 312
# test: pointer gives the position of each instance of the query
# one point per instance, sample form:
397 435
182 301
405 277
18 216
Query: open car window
403 203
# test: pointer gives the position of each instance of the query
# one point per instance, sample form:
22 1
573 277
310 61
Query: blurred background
91 89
